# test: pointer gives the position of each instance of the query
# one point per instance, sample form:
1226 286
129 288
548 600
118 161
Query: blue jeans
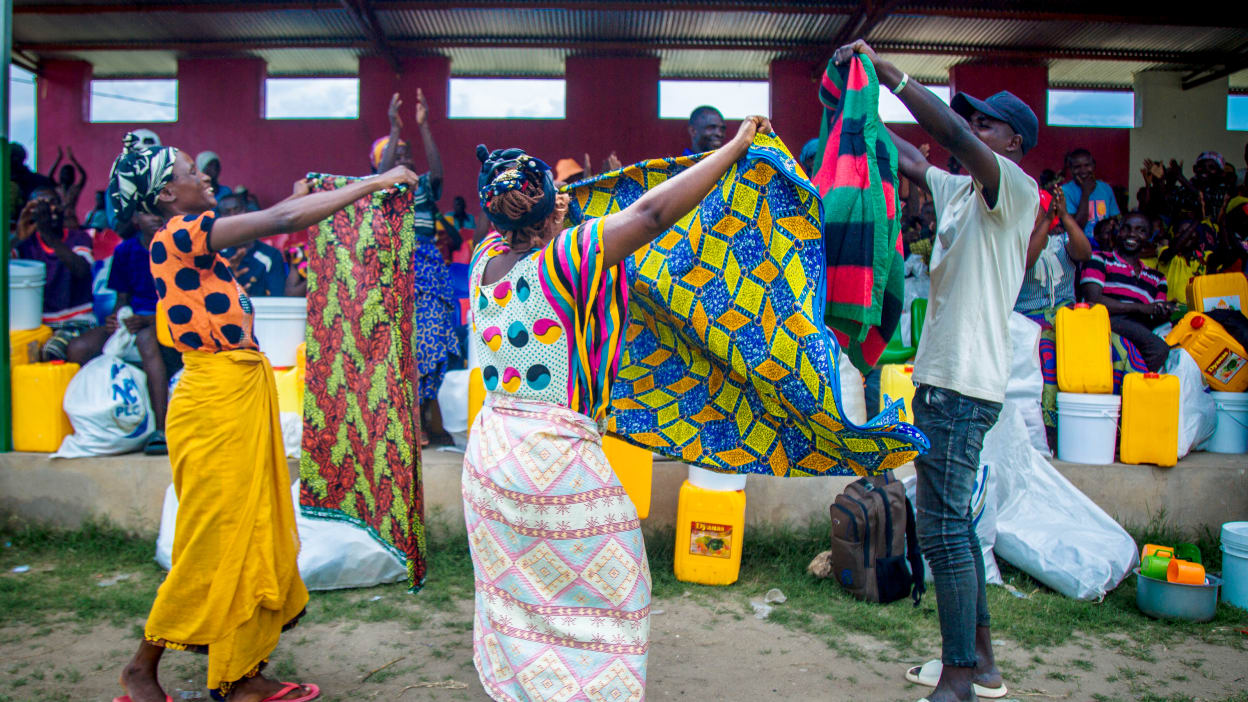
955 425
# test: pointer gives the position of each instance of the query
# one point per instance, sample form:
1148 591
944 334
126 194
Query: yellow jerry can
1150 419
1222 360
1084 362
710 525
39 421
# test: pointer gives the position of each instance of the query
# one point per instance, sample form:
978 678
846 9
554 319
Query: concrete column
219 100
1174 123
62 102
613 104
378 82
1030 82
795 109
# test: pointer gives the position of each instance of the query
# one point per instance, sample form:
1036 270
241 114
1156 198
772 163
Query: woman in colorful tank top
234 585
562 583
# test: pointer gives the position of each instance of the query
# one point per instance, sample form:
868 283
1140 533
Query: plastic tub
710 480
26 279
1231 434
1162 600
1235 564
281 325
1087 427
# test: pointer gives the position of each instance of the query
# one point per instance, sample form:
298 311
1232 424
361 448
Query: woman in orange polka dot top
234 585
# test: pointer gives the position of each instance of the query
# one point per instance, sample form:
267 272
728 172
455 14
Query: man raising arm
984 222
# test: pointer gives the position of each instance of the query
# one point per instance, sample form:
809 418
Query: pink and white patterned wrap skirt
562 581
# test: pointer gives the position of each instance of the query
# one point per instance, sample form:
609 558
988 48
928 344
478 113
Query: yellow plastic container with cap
26 345
710 528
289 390
1221 291
1150 419
164 335
476 396
39 421
1221 358
897 383
634 466
1084 363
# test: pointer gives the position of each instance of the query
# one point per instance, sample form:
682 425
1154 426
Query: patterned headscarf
1212 156
378 148
512 169
137 177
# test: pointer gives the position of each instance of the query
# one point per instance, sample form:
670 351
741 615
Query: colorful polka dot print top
550 330
208 311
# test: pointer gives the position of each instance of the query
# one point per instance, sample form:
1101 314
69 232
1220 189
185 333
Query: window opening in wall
134 100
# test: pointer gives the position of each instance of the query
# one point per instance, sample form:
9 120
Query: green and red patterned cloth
361 417
856 174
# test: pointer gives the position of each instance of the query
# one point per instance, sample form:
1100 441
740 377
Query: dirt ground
702 649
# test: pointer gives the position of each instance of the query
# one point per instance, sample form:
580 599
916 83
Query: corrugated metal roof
506 62
572 25
488 37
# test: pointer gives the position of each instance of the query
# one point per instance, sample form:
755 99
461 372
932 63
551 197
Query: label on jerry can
713 540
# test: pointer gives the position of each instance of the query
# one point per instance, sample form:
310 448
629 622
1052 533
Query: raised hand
750 126
1058 204
845 53
399 175
422 108
302 187
396 120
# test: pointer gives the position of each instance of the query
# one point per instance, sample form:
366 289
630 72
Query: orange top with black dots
208 311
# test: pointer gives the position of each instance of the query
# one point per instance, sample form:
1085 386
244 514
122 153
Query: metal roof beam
972 11
798 48
1235 63
95 8
362 12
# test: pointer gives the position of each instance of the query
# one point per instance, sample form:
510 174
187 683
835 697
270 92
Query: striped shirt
66 299
1120 280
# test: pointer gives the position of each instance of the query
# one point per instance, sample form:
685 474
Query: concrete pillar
1030 82
62 101
378 82
1174 123
795 109
613 104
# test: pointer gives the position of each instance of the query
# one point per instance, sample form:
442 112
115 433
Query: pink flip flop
287 687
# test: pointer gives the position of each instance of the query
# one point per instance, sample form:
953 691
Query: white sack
1025 387
292 433
1046 527
853 394
983 516
332 555
453 403
107 402
1198 414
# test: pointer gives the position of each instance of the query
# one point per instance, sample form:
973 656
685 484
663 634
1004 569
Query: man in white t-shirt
984 221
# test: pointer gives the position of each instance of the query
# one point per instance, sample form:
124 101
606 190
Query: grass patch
68 566
777 557
66 569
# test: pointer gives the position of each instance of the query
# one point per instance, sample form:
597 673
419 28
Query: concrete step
1204 490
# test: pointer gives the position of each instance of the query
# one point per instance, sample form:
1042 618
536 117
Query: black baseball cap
1006 107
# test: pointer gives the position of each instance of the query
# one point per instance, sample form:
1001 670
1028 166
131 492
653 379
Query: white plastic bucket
281 324
1235 563
1231 434
1087 427
26 279
710 480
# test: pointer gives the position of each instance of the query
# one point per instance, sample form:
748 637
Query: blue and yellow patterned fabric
727 364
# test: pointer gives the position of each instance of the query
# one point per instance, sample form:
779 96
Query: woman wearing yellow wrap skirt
234 585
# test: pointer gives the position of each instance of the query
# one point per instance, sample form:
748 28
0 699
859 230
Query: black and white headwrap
512 169
137 177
